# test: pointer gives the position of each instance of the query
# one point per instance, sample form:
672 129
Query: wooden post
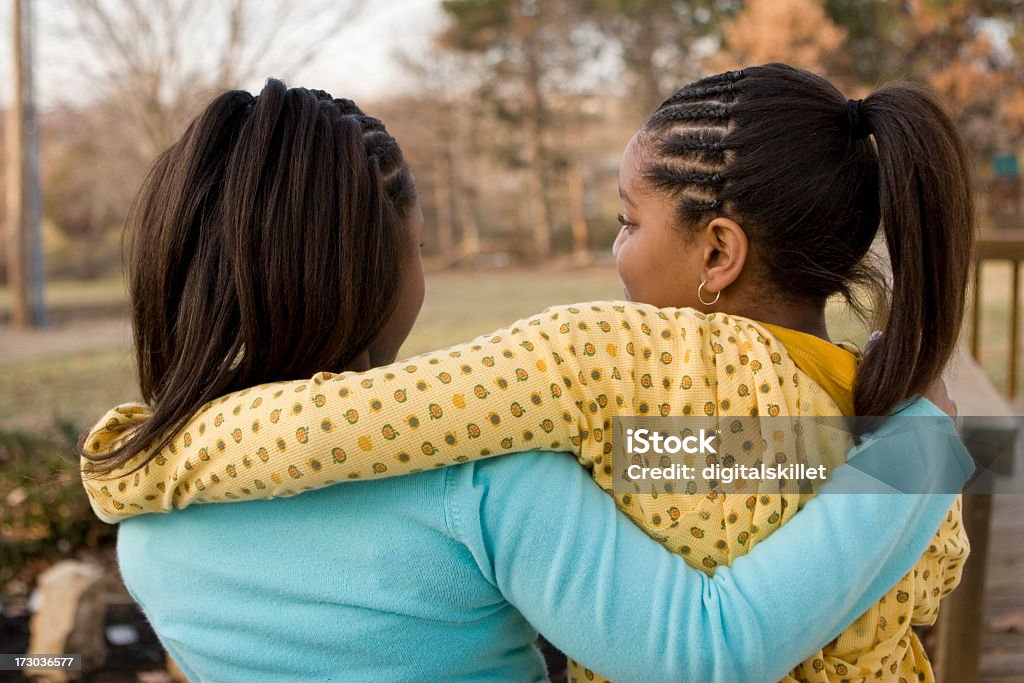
976 311
1014 318
24 212
960 623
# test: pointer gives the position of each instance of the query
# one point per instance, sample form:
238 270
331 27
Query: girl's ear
725 253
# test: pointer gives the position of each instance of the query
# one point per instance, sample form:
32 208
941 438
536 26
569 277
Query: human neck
360 363
807 318
370 358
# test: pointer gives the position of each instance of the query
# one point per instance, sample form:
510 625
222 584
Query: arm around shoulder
614 599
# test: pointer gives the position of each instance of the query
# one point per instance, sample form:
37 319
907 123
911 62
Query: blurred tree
797 32
445 151
867 57
580 45
552 69
151 63
3 190
154 58
967 50
515 39
90 171
660 41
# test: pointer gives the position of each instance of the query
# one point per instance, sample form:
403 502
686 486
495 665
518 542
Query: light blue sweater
448 575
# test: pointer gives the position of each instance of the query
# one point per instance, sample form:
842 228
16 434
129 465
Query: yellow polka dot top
549 382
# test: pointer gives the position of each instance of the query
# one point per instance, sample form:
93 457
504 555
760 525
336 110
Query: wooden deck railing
1002 245
960 628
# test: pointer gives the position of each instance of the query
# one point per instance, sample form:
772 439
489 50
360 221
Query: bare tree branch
154 57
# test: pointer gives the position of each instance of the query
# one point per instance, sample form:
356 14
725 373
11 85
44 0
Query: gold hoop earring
701 299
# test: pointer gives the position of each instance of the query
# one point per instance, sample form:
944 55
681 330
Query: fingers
938 394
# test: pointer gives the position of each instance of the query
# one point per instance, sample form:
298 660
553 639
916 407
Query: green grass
996 290
77 389
463 305
85 294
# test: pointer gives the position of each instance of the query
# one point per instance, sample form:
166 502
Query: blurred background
513 115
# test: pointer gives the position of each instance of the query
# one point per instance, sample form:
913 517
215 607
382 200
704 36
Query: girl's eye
625 223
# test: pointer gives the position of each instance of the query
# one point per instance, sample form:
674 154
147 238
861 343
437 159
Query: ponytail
927 212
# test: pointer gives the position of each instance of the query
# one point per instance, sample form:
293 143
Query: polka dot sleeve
549 382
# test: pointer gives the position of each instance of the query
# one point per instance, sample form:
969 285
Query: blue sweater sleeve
612 598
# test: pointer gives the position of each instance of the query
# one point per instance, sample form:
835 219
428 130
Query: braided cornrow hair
267 244
685 139
810 176
381 149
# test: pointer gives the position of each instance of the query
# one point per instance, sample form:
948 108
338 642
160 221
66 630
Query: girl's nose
617 244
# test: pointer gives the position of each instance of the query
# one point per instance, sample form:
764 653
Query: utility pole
24 206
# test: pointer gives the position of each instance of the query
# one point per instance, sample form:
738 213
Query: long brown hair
266 244
783 152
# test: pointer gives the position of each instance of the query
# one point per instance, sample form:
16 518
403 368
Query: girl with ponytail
749 199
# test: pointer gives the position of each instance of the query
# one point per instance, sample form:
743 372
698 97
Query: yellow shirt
550 382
